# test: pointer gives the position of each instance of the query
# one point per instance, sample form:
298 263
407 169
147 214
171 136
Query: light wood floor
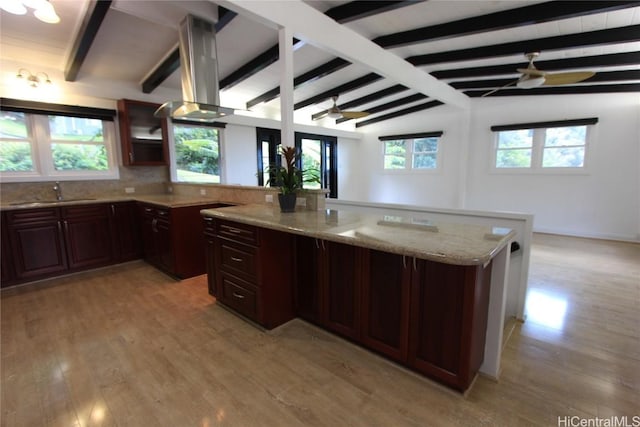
128 346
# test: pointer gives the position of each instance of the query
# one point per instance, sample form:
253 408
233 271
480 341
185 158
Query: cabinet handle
131 156
404 261
66 226
59 227
323 248
236 259
154 225
162 213
317 245
234 230
148 209
207 219
113 210
238 295
415 268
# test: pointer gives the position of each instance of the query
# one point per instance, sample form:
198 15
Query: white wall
603 202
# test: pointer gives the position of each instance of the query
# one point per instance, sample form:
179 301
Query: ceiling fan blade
531 71
567 78
354 114
500 88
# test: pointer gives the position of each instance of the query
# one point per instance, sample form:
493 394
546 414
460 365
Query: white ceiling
136 35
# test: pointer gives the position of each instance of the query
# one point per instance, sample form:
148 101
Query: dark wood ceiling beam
355 10
415 108
364 99
389 105
172 62
614 59
512 18
91 23
343 13
312 75
347 87
592 38
559 90
608 76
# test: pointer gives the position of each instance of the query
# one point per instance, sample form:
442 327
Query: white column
285 39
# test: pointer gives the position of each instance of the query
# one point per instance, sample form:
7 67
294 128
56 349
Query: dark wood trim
355 10
34 107
435 134
220 125
512 18
172 62
552 124
349 86
329 175
396 103
91 22
591 38
308 77
615 59
420 107
559 90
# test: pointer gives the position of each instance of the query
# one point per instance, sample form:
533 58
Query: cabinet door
443 301
87 234
6 269
341 288
307 291
147 226
125 231
385 303
210 255
164 246
37 243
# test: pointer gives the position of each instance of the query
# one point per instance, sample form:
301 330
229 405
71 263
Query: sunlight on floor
546 309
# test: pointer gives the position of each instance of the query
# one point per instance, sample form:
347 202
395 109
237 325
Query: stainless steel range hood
199 74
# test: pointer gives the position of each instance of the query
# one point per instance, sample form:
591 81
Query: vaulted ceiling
474 47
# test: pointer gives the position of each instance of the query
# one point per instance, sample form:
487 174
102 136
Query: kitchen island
426 294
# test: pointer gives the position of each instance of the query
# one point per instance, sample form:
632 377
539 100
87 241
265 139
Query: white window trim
409 169
537 153
40 138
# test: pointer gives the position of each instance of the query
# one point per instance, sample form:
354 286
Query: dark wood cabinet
87 236
340 272
125 231
448 321
307 290
143 136
253 270
385 303
173 238
6 257
210 255
37 243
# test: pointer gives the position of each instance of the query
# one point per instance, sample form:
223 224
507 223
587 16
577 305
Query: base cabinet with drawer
253 272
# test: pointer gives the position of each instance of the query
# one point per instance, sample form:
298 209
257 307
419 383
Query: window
318 152
196 153
415 151
539 146
36 145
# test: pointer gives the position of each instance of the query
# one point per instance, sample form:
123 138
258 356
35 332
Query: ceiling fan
532 77
336 113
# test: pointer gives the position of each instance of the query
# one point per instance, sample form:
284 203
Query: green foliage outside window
395 154
15 157
197 153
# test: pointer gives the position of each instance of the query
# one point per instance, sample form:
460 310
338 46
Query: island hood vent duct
199 75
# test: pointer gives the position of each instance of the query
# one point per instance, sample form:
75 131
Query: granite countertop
410 235
164 200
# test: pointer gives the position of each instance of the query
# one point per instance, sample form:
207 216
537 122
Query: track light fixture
42 9
34 80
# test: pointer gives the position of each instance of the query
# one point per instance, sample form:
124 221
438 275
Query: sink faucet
58 190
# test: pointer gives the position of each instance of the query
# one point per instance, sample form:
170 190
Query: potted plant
289 178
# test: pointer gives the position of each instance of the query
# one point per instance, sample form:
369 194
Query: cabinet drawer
209 226
239 295
236 231
96 210
32 215
239 260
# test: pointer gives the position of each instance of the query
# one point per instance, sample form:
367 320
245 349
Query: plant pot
287 202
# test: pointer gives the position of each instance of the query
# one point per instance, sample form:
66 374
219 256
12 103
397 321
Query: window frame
173 169
409 140
538 146
39 137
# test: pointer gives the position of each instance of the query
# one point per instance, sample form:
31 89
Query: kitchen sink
48 202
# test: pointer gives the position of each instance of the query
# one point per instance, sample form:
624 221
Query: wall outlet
129 190
268 198
203 192
301 201
169 189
